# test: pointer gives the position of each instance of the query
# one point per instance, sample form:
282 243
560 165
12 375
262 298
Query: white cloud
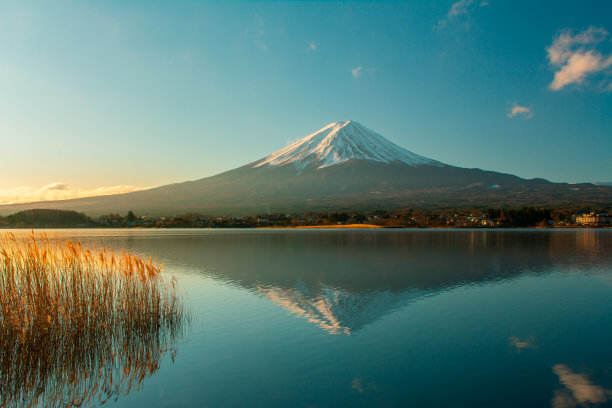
577 67
520 110
358 71
58 191
457 11
55 187
575 56
459 8
579 390
312 46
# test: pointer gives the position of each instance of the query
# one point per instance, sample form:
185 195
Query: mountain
342 166
341 142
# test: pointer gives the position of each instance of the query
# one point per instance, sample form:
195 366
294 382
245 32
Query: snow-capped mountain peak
339 142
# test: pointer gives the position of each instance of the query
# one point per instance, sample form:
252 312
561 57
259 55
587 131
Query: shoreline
348 226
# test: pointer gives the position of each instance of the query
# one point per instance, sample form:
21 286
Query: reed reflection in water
80 326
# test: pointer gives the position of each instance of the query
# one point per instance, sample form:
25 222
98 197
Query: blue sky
117 94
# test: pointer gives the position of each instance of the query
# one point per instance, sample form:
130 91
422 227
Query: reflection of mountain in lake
344 280
335 310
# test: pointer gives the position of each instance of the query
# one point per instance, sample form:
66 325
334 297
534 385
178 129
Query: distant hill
343 166
45 218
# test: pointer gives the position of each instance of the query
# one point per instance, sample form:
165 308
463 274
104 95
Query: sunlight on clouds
58 191
577 67
560 50
575 56
579 390
520 110
56 187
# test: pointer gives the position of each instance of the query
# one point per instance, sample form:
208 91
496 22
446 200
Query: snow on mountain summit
339 142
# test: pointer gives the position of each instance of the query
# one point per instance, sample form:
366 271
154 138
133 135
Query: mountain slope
342 166
339 142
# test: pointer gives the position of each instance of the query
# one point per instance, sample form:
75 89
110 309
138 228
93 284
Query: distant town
406 218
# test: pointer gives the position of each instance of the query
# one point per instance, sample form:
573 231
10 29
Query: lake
390 318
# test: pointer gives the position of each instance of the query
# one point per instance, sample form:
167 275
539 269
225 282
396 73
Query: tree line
403 218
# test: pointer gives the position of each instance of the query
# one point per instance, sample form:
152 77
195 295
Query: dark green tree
130 217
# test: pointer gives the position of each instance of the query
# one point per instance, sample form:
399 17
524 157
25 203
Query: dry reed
80 326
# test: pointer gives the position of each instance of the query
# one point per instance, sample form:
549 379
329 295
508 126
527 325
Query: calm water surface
361 318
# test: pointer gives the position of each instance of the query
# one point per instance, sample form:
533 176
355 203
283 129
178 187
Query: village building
594 219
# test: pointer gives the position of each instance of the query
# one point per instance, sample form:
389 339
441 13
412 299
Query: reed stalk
79 326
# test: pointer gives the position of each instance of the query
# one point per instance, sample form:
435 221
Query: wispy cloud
58 191
55 187
459 8
258 41
459 12
356 72
578 391
520 110
574 57
256 34
312 46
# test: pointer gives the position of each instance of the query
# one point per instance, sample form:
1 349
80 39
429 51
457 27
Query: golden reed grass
80 326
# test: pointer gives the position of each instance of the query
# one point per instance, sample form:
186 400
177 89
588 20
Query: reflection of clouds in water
519 344
579 390
356 385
